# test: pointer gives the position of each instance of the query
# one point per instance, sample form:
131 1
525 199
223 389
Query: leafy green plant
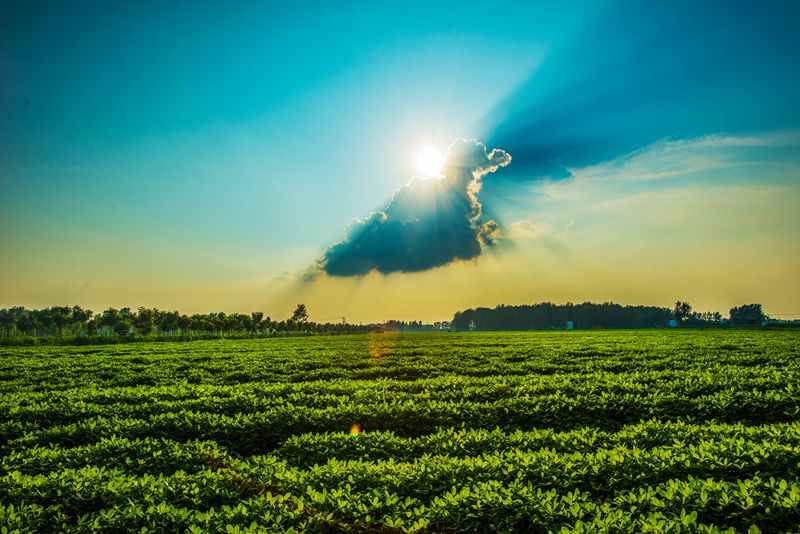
537 432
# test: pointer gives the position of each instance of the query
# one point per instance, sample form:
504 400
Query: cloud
428 222
701 171
525 230
718 158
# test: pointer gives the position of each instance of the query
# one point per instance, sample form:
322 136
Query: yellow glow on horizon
430 162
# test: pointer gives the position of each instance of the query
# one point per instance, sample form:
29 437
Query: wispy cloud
723 183
671 160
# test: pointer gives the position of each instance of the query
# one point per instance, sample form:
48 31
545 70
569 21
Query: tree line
61 321
744 315
124 322
549 316
411 326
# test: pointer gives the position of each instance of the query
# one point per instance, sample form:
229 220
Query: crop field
616 431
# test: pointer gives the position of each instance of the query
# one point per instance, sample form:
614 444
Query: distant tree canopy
549 316
75 321
546 315
411 326
300 314
55 321
747 314
681 311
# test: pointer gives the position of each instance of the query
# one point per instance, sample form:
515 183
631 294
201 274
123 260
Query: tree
747 314
92 325
125 319
43 321
257 318
80 319
167 321
8 320
108 318
145 321
26 320
681 311
300 314
60 316
184 324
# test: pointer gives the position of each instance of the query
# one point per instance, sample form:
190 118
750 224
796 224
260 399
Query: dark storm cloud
428 222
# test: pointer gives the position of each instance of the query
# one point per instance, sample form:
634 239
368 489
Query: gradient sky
203 158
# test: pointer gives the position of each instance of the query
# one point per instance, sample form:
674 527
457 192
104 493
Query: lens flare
381 342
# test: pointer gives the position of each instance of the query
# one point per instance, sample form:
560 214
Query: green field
639 431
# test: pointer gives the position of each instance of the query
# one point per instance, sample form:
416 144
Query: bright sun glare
430 162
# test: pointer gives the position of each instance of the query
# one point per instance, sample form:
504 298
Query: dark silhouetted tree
80 320
681 311
145 321
747 314
546 316
300 314
58 320
257 318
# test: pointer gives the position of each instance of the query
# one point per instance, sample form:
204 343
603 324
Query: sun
430 162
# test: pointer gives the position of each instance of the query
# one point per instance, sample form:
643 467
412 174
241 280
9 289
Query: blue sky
196 156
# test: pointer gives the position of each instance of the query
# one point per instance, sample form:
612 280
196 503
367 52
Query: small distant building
570 325
673 323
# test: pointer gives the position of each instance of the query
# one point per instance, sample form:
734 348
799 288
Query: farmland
680 431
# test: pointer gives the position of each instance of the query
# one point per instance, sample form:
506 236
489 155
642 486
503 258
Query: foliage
681 311
747 314
300 314
549 316
683 314
657 431
60 321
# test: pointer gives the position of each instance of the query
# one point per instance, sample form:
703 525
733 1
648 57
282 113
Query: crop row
250 394
106 500
307 450
409 358
150 455
410 414
600 472
252 433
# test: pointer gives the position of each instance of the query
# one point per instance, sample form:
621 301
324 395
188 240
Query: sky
207 157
